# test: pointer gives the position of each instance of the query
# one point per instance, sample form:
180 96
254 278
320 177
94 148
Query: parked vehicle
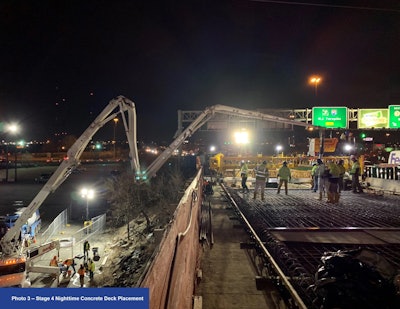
29 229
44 178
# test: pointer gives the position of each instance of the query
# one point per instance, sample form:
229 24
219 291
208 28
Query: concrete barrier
386 185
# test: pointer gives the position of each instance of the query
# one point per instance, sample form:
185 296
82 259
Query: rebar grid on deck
301 210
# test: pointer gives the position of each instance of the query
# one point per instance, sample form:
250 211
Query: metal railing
392 173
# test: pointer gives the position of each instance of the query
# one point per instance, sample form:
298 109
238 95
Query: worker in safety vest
91 268
86 250
69 263
333 190
54 261
355 173
323 175
244 171
314 176
285 176
81 273
262 176
342 170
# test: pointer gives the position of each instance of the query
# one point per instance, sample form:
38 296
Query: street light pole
315 80
87 194
6 162
114 142
13 129
87 209
15 164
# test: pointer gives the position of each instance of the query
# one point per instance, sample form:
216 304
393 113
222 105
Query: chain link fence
93 227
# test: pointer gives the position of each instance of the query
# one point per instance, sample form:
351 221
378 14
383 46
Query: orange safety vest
81 271
53 262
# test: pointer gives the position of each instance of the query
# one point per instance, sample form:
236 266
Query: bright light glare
212 148
151 150
87 193
242 137
315 80
348 147
279 148
13 128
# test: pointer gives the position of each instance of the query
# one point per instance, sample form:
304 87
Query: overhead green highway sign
394 116
330 117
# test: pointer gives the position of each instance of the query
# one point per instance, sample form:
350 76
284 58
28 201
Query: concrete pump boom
10 242
206 115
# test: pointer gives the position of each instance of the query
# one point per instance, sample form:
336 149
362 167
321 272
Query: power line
330 5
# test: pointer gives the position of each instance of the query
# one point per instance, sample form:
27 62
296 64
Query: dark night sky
170 55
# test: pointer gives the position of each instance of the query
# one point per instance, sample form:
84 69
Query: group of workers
327 178
262 178
87 266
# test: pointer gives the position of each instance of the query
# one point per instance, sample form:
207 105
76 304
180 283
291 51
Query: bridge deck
304 227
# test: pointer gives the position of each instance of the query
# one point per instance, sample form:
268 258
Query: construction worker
69 263
284 175
342 170
86 249
91 268
355 173
322 173
81 273
314 177
244 171
333 190
54 263
262 176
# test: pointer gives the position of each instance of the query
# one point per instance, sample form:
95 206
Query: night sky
61 62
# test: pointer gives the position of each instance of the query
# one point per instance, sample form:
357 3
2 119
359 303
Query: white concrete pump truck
16 259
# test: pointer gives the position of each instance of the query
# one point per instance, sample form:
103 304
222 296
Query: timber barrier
171 275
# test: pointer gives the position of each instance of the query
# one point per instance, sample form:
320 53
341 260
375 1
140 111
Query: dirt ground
127 258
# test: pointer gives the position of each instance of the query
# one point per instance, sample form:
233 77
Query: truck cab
29 229
13 272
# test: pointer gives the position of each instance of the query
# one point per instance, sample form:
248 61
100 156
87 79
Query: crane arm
223 109
206 115
166 154
9 242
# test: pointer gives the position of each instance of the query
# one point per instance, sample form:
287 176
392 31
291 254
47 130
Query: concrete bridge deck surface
228 274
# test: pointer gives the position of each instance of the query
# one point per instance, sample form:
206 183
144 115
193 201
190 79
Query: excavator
16 260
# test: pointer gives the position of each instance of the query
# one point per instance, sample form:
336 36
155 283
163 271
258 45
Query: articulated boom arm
9 242
166 154
206 115
223 109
